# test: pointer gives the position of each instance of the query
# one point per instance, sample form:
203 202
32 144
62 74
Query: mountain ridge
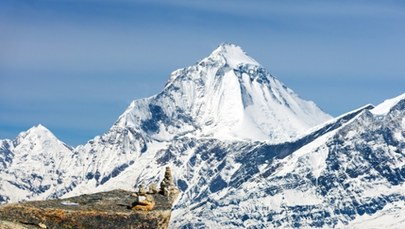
320 184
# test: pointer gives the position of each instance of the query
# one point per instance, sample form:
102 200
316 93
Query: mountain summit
233 55
226 95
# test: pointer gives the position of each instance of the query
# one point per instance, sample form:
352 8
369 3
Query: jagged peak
233 55
219 96
226 55
39 136
38 129
385 107
224 48
37 132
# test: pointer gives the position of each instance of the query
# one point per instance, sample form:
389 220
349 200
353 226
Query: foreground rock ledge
100 210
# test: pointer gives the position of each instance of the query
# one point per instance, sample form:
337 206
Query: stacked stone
144 198
167 186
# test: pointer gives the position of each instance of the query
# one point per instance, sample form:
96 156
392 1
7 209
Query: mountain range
245 150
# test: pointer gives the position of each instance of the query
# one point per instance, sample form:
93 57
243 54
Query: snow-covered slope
33 165
351 175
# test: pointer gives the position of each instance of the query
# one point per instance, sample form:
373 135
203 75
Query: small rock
144 203
141 190
153 189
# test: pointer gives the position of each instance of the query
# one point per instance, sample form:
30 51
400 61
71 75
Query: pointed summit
39 128
41 136
37 160
227 95
38 131
233 55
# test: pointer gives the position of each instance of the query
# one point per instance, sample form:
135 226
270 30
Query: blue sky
75 65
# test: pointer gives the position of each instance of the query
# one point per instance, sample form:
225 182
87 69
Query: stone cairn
144 201
144 198
167 186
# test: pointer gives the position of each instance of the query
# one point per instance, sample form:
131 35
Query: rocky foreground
114 209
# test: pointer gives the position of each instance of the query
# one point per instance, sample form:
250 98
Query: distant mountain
33 165
245 151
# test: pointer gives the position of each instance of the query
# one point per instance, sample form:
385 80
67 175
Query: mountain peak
233 55
224 47
37 133
227 95
39 129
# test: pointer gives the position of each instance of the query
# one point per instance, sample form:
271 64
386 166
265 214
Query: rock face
101 210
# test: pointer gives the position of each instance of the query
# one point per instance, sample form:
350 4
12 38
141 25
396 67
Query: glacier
245 150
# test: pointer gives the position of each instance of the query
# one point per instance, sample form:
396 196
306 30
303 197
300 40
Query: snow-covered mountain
244 149
227 95
33 165
350 175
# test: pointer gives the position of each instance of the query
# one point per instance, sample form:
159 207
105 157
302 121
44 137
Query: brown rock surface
100 210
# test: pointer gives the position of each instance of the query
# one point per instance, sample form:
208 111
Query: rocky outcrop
114 209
